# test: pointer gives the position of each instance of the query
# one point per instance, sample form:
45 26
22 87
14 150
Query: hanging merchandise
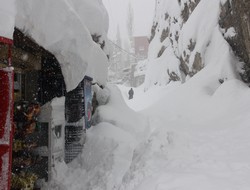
28 164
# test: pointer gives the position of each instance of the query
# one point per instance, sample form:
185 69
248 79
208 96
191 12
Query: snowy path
193 160
168 144
185 155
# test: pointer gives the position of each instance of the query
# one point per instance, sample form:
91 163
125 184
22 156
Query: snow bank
109 148
200 131
105 159
7 18
200 139
64 28
117 112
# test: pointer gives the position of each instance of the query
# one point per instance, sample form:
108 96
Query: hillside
189 35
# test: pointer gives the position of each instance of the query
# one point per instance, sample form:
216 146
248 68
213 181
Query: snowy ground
200 144
183 138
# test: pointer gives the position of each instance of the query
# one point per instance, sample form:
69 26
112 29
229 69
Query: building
141 47
43 77
38 80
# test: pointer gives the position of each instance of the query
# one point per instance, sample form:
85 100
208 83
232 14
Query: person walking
131 94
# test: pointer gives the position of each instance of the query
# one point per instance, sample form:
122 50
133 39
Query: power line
122 49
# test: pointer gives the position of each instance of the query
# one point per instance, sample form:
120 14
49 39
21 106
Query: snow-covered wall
182 34
64 27
7 18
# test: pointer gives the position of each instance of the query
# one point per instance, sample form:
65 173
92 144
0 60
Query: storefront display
30 140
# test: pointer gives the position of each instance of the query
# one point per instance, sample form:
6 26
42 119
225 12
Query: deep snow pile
109 148
64 28
200 138
193 136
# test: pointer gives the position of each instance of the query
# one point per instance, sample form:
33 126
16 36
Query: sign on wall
88 101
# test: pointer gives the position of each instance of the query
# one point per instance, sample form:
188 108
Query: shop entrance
44 134
37 80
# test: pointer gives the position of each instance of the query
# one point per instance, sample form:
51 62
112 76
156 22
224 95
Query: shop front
35 130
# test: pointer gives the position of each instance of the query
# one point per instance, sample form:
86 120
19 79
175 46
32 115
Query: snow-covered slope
183 41
64 28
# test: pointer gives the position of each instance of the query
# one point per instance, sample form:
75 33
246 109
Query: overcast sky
143 16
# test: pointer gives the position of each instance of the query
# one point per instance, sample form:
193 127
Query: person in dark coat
131 93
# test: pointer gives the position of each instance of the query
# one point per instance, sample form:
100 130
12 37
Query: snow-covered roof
64 28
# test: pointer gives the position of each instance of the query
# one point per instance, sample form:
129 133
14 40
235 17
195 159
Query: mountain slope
182 36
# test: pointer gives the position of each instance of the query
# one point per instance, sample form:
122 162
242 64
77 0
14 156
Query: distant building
125 67
141 47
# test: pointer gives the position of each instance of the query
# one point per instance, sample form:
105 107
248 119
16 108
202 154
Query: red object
6 120
6 40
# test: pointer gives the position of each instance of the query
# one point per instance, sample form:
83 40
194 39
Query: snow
172 136
197 31
7 18
230 33
105 159
194 139
62 28
179 136
109 147
200 25
117 113
154 72
140 67
199 140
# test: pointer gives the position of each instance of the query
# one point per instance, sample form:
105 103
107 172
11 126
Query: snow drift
109 148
